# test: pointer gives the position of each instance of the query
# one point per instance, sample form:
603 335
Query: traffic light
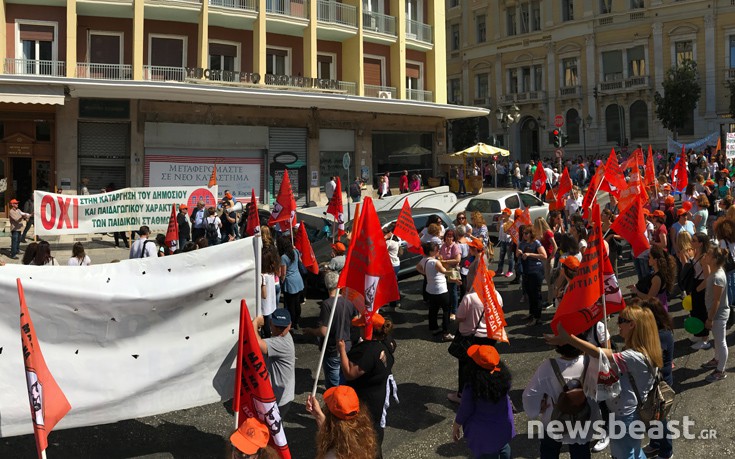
595 93
564 139
557 138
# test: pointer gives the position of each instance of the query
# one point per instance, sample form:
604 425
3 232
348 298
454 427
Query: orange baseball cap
485 356
681 212
476 243
339 248
14 201
570 262
378 321
183 206
725 171
342 402
667 186
659 213
646 211
251 436
669 200
709 182
507 211
518 212
686 205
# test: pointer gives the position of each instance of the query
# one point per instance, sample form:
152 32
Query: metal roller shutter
287 149
104 154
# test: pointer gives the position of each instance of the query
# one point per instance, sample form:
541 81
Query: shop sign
248 78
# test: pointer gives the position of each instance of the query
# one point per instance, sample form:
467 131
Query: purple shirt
487 426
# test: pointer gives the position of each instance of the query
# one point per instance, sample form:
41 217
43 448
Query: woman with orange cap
344 430
485 414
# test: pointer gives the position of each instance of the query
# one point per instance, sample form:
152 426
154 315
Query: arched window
573 126
639 120
613 117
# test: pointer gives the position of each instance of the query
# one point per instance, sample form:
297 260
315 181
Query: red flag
581 306
368 270
680 175
521 219
631 226
213 177
719 144
539 179
406 229
48 403
591 195
172 233
565 184
254 396
485 288
301 242
253 221
637 156
335 208
613 173
650 170
633 190
284 209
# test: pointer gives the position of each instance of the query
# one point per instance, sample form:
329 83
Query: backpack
572 405
210 229
142 249
659 401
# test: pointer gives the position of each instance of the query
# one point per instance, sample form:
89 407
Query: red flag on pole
301 242
680 174
253 221
631 226
637 156
613 173
284 209
581 306
213 177
539 179
336 209
633 190
485 288
650 170
406 229
368 271
521 219
591 194
719 144
48 402
172 233
565 184
253 397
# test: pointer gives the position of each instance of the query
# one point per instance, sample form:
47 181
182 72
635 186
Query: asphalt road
420 426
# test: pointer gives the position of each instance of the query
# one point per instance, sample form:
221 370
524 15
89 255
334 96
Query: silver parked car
490 205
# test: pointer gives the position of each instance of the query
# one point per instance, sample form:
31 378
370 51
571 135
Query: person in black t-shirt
229 220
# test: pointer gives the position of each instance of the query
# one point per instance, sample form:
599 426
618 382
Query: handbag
459 345
659 401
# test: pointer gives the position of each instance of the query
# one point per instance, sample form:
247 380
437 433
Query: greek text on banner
121 210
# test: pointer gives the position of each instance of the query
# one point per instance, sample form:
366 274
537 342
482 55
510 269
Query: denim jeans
664 445
551 448
14 243
731 287
532 282
332 371
627 447
504 453
504 250
453 297
462 188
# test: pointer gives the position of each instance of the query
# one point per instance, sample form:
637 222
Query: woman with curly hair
485 414
661 281
702 214
725 235
345 431
479 227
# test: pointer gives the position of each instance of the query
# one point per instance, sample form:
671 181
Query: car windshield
484 206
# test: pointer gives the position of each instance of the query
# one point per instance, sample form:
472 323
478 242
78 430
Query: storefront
395 152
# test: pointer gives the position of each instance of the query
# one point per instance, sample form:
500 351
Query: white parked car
491 204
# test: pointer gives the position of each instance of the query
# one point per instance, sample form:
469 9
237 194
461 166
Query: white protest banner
730 145
121 210
131 339
675 147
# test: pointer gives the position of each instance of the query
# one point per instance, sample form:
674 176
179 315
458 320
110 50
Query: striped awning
32 94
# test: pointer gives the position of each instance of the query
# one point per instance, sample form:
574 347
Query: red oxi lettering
68 212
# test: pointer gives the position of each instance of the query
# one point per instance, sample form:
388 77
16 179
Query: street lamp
506 116
586 122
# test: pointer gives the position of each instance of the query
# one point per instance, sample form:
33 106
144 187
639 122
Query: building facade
591 66
153 92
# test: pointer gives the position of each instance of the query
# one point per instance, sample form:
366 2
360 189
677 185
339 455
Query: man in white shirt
197 221
329 188
142 247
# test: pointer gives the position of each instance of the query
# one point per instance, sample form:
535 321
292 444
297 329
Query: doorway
529 139
22 175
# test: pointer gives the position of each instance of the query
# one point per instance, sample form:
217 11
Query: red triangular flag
523 219
650 170
591 195
680 174
253 221
719 144
581 306
368 271
539 179
213 177
253 395
565 185
172 233
335 208
284 209
613 173
631 226
630 162
48 402
634 188
406 229
301 242
484 286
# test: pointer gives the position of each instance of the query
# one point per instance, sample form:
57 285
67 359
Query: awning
32 94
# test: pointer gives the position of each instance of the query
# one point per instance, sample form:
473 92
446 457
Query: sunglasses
461 218
622 320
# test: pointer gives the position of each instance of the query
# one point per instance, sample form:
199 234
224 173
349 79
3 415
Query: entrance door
21 174
529 139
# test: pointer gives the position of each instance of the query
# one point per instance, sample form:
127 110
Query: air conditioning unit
384 95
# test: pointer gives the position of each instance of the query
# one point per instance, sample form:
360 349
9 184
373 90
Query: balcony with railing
348 87
381 92
290 8
525 97
637 82
418 31
419 95
104 71
34 67
378 23
570 92
245 5
331 12
730 74
162 73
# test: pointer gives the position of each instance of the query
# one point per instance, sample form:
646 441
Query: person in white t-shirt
78 257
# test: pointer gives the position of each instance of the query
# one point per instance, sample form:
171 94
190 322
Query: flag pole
43 454
324 344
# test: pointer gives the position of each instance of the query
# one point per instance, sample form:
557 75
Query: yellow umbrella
482 149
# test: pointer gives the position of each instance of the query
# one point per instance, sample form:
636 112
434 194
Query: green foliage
465 133
681 94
